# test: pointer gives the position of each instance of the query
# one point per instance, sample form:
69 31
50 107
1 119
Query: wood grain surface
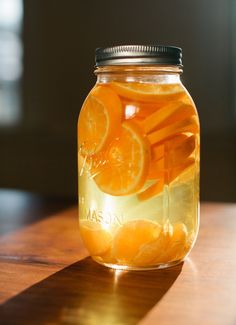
46 276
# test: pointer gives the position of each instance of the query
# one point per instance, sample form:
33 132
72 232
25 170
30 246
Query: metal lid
138 55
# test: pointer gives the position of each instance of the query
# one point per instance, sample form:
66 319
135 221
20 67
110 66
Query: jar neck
155 73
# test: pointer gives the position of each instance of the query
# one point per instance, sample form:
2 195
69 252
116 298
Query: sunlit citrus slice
126 164
98 120
178 245
131 237
96 239
155 252
148 91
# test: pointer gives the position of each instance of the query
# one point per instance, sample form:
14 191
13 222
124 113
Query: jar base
139 268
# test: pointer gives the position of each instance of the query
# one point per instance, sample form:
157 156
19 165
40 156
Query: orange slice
178 246
148 91
155 252
126 164
98 120
96 239
131 237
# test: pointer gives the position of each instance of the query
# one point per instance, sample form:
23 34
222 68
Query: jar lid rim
138 55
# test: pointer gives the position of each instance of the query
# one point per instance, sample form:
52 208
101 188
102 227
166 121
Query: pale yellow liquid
176 204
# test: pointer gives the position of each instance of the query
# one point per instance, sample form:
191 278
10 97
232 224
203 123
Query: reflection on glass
11 12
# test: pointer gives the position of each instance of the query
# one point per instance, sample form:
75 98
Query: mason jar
138 160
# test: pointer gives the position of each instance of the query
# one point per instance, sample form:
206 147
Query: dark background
59 38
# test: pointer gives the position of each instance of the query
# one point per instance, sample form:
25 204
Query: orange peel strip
152 190
154 120
188 125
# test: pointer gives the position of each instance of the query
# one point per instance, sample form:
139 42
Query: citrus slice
126 164
148 91
155 251
100 114
96 239
131 237
178 246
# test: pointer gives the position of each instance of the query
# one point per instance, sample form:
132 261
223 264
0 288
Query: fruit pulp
138 158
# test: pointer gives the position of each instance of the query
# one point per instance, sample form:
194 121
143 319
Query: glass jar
138 160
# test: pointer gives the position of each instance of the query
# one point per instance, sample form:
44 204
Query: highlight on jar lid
138 55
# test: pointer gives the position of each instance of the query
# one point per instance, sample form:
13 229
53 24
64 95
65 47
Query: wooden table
46 276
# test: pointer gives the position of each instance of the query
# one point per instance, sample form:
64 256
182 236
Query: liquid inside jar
138 155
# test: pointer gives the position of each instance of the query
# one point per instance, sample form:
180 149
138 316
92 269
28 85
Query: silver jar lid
138 55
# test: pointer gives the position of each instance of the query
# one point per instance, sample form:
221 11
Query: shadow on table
88 293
